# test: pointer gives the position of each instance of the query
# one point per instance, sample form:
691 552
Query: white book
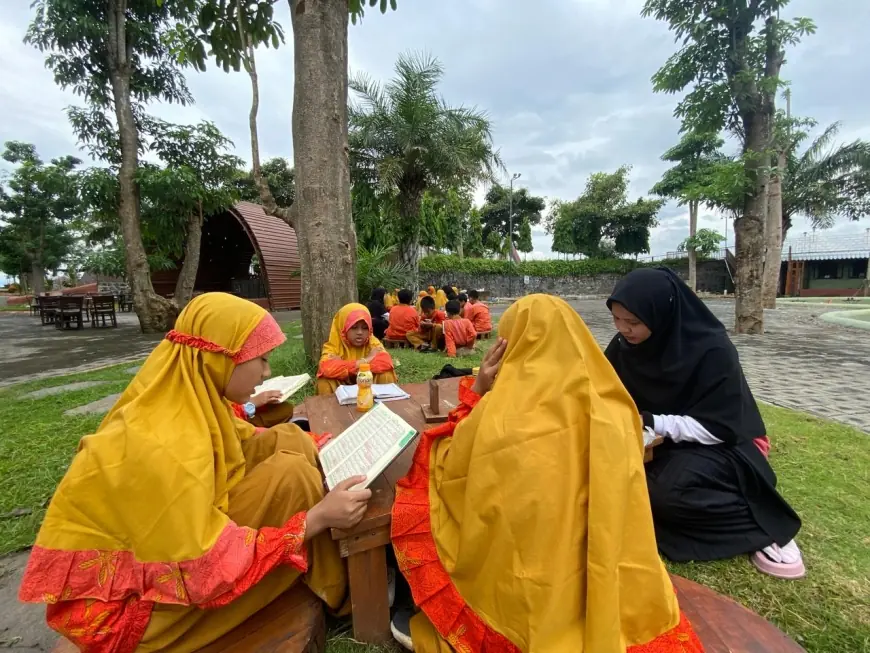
346 394
367 447
286 385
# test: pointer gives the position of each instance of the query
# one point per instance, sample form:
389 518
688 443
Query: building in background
818 264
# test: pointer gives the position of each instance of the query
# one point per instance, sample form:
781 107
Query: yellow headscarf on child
540 511
440 299
337 345
154 479
420 296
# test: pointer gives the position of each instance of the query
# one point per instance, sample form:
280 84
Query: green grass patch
823 469
14 308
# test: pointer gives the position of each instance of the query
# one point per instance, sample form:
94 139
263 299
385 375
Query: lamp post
514 177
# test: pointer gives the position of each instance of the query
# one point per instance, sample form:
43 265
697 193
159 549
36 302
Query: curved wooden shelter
230 242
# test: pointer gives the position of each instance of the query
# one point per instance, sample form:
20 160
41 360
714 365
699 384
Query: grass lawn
824 471
14 308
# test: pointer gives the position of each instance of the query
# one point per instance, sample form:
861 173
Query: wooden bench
725 626
484 335
292 623
391 343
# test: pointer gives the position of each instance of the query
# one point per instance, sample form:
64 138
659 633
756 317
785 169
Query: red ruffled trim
265 337
681 639
98 627
433 591
239 559
198 343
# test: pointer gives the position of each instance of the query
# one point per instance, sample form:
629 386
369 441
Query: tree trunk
155 313
37 274
410 201
749 236
187 277
327 241
773 235
693 257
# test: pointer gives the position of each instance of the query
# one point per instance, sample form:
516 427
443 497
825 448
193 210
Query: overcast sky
565 83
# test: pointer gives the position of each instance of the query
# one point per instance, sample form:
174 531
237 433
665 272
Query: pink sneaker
780 562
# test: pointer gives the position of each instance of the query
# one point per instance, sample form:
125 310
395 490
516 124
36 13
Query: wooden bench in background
390 343
484 335
292 623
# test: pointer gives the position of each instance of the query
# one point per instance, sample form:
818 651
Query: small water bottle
364 397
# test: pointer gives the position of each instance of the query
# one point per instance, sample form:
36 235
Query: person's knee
299 482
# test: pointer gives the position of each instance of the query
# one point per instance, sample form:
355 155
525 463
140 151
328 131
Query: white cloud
566 85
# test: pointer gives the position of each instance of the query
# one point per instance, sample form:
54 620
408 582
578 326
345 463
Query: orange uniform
403 320
436 317
458 332
479 315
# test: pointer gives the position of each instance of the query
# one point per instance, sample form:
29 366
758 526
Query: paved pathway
30 351
801 362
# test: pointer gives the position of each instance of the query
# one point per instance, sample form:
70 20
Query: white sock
788 554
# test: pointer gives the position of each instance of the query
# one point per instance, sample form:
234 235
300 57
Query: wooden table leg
367 571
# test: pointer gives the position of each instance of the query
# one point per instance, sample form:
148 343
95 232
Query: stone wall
713 278
113 288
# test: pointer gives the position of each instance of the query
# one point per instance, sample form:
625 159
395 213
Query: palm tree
404 140
827 181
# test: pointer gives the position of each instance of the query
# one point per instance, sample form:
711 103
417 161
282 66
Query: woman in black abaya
712 491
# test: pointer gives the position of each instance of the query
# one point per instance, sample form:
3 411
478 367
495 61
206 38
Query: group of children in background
443 319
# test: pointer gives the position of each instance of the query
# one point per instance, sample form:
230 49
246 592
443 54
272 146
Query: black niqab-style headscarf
688 366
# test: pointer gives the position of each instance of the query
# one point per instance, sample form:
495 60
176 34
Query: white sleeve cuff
682 428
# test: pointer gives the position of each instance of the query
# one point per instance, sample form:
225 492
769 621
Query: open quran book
286 385
366 447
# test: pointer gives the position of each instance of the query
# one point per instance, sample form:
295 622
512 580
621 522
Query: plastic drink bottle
364 397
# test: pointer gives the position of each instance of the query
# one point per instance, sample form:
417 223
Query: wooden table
365 546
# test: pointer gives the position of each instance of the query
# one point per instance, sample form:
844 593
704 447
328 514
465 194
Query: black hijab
688 366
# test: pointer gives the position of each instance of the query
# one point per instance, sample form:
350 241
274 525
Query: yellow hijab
540 511
337 345
155 477
420 296
440 299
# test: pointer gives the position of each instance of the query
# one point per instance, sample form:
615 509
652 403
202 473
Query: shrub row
446 264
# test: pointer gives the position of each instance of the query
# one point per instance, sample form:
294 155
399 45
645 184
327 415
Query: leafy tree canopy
602 222
406 140
38 203
705 242
496 208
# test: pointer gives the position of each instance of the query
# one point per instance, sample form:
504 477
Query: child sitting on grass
458 331
403 318
430 330
478 313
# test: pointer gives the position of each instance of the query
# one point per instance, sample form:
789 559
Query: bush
445 264
376 268
13 288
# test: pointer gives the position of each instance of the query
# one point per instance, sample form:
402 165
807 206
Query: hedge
447 264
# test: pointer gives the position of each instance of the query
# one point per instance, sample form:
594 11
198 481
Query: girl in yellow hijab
421 295
175 522
391 299
441 298
525 524
350 343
